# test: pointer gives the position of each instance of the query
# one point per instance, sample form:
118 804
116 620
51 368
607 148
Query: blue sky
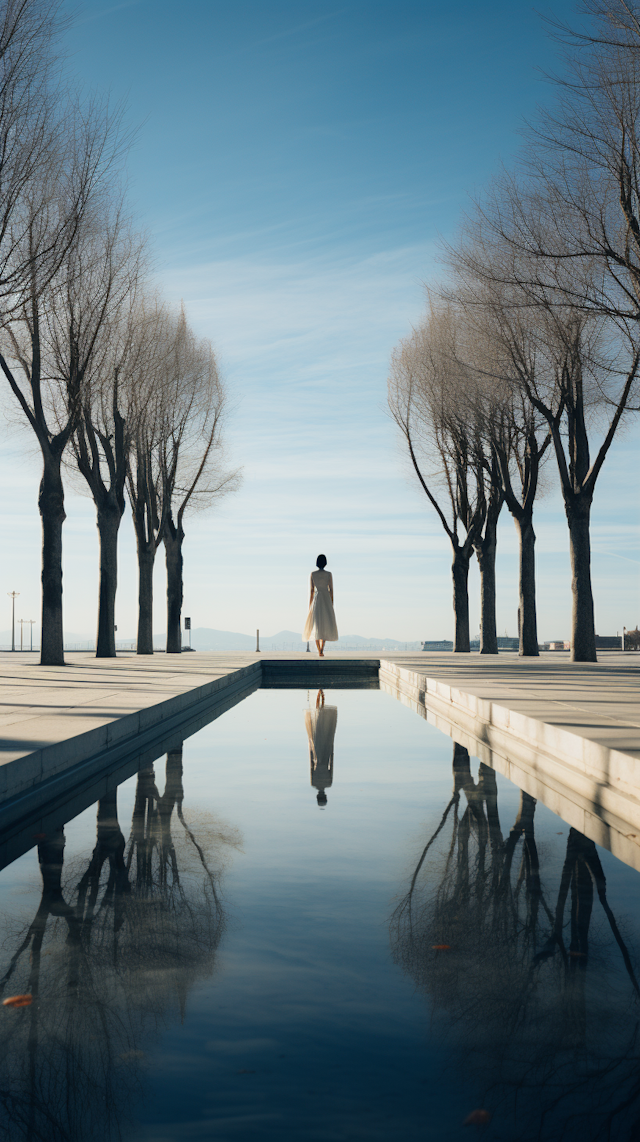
294 166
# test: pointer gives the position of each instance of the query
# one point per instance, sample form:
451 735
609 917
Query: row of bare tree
532 346
110 378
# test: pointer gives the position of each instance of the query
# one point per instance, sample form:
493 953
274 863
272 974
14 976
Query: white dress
321 620
321 730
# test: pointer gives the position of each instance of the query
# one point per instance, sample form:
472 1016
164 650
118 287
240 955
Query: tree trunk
173 557
583 630
145 601
527 618
52 513
108 522
460 576
486 554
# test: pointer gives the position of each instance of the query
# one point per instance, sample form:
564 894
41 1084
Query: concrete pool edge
105 744
603 782
587 784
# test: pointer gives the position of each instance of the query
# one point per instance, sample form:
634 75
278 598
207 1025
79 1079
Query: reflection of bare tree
555 1046
111 955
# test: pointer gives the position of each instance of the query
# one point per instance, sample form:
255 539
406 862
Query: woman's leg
318 647
321 647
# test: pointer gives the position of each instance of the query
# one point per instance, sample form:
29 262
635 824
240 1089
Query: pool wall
592 787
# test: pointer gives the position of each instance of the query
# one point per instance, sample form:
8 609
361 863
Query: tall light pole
13 595
22 622
31 622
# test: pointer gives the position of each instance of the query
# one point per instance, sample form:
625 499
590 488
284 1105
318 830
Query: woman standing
321 620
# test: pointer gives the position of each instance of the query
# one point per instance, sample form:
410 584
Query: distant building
603 642
443 644
504 643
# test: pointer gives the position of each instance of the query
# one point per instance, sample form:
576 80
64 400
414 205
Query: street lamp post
13 595
31 622
22 622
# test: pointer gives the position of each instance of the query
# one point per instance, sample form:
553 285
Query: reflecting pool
319 919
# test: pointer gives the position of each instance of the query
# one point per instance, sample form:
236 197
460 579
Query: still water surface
319 923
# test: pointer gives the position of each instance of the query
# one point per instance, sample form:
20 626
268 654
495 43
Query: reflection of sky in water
300 1025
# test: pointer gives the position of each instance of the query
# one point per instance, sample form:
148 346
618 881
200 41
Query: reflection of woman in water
321 729
321 620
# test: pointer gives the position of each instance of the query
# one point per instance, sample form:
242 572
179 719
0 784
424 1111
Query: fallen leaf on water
559 834
578 955
17 1001
477 1118
441 947
244 1071
39 836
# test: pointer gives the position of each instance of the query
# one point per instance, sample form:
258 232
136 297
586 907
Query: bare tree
577 369
482 405
191 460
145 496
103 440
502 344
426 387
564 234
154 415
520 449
46 380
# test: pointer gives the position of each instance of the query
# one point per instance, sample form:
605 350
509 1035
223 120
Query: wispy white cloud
86 19
286 33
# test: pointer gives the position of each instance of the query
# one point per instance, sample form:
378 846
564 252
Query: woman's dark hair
321 562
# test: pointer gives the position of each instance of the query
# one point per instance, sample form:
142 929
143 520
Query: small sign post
257 642
13 595
187 626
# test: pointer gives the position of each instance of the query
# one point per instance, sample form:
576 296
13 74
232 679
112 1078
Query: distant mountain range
207 638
